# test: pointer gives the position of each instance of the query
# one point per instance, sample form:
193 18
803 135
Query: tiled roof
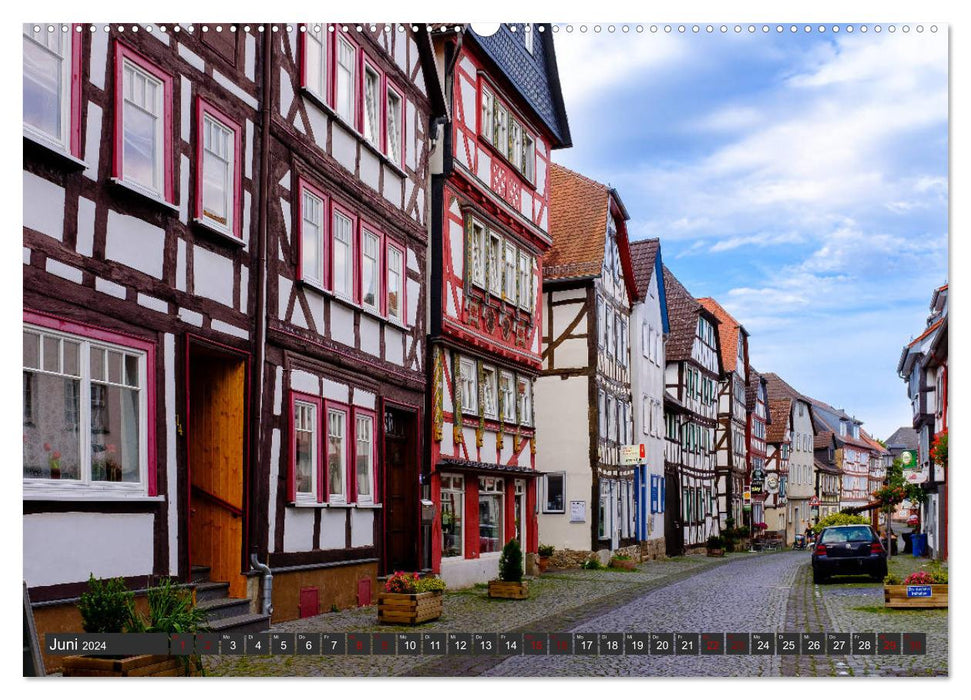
682 316
873 444
825 467
534 75
752 388
779 411
728 330
643 255
905 437
823 439
780 389
578 225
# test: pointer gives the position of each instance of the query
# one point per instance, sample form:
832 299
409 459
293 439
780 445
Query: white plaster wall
212 276
43 206
370 336
68 547
571 354
341 323
298 530
305 382
344 147
332 525
463 573
362 527
393 345
135 243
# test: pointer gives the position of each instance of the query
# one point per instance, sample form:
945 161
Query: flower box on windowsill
900 597
517 590
144 665
409 608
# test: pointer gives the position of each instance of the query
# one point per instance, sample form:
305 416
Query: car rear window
847 534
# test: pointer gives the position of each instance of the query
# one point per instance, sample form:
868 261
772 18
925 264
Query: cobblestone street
741 593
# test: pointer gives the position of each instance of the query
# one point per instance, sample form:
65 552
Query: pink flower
57 454
47 447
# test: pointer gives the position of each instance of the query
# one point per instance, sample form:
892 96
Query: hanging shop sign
631 455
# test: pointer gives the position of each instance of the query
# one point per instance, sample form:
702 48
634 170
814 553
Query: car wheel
819 578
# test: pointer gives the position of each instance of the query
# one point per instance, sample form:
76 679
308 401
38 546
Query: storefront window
453 498
490 515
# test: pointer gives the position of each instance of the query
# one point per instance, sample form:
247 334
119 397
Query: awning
468 465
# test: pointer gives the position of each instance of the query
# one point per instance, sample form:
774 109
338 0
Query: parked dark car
849 550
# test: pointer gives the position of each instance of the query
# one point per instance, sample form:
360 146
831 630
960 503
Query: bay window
315 61
143 119
453 510
342 271
491 514
364 456
371 118
218 170
336 455
507 393
86 405
395 304
395 128
344 92
48 85
311 222
370 267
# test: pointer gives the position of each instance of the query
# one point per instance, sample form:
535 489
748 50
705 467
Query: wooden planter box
145 665
896 597
716 552
628 564
518 590
409 608
543 563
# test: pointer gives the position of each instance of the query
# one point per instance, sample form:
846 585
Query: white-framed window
371 120
346 74
47 85
507 391
515 151
601 322
85 415
470 385
364 457
554 492
453 510
490 394
311 236
525 281
501 134
509 276
477 250
486 120
525 389
336 455
342 272
305 449
370 269
602 412
528 165
647 415
622 340
491 514
611 337
218 173
611 419
394 127
315 60
142 129
495 263
647 341
396 284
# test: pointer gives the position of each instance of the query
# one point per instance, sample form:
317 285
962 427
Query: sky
801 179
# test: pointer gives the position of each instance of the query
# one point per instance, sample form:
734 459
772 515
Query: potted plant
408 599
545 551
623 561
921 589
108 607
510 583
715 546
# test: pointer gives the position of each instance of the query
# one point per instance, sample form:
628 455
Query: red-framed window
88 411
143 124
365 462
306 448
312 230
338 437
343 252
52 87
370 268
372 87
316 61
394 140
219 181
395 283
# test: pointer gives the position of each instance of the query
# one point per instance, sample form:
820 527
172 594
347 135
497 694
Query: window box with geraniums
408 599
510 583
545 551
715 546
921 589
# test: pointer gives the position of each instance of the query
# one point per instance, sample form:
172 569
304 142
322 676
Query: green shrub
891 580
511 562
546 550
431 583
839 519
715 542
621 557
593 564
107 606
170 611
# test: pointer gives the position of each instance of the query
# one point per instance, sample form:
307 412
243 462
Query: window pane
394 284
31 350
140 146
114 433
369 270
345 80
311 239
342 254
52 428
42 88
490 523
554 492
372 128
316 65
114 367
72 358
365 452
335 453
217 173
452 509
305 423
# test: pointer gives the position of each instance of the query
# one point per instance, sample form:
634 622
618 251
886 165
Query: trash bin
919 543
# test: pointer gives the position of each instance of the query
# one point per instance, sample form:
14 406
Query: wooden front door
673 528
401 516
217 392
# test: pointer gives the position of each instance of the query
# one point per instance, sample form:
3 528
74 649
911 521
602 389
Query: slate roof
643 255
904 437
578 225
683 310
728 330
779 411
534 76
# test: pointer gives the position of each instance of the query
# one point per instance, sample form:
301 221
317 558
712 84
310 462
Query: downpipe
267 583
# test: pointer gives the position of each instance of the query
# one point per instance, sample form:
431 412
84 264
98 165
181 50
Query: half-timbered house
349 136
730 443
489 230
141 250
757 418
583 398
692 372
828 476
852 453
778 446
649 328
